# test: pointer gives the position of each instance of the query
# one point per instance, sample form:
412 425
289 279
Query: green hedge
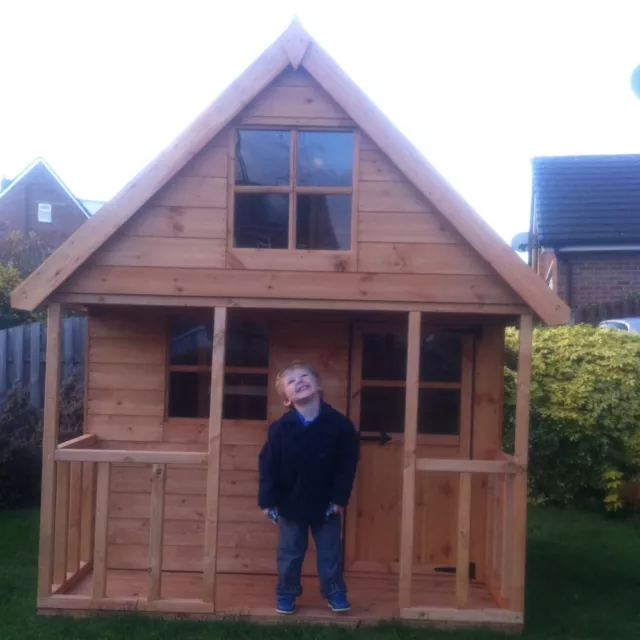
21 441
585 413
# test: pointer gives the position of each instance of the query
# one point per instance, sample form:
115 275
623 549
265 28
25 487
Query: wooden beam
464 529
523 393
468 466
476 616
148 300
156 527
215 449
409 466
85 441
101 530
49 441
523 389
62 523
132 456
75 579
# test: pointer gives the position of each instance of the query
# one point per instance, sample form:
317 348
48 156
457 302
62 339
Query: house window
44 212
293 189
384 366
246 371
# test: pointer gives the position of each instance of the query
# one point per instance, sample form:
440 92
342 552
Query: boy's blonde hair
296 364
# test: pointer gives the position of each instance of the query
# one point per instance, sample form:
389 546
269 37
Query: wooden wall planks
381 287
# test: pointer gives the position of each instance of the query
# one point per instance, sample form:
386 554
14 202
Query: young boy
307 468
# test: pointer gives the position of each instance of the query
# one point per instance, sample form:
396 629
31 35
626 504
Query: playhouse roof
295 48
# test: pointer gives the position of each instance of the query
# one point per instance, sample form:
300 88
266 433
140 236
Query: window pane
439 411
189 394
325 158
384 356
382 409
262 157
190 343
245 396
440 358
262 220
323 222
247 345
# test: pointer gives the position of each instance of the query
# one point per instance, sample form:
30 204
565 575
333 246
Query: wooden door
323 342
378 373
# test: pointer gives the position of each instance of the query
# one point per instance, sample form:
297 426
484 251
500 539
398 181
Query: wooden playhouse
290 220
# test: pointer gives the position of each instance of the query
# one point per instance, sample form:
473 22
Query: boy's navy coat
303 469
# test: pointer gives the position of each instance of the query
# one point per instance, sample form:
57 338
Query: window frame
203 368
462 440
293 190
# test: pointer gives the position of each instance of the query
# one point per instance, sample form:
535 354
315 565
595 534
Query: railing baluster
62 524
156 531
75 515
464 526
102 520
88 511
507 539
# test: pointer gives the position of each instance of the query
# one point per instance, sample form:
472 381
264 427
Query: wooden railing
501 471
82 514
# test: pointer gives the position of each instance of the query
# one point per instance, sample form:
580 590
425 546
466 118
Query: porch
186 548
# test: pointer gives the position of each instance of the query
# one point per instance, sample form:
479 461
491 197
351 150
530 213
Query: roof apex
293 47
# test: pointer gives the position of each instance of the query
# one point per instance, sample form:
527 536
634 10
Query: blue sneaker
286 604
338 603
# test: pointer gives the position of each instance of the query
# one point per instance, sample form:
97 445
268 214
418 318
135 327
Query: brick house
585 227
37 200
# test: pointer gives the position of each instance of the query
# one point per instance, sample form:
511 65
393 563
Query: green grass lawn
583 582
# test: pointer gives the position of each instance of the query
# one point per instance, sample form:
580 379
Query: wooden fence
23 355
595 313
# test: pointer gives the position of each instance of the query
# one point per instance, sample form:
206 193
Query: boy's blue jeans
292 546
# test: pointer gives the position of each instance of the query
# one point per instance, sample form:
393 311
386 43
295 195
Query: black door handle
382 438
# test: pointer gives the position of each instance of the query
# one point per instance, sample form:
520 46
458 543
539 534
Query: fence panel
23 356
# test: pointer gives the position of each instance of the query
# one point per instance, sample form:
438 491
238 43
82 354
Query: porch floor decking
373 596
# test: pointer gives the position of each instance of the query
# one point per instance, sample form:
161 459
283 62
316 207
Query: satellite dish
635 81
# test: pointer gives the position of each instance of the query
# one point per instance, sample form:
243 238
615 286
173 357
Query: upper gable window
44 212
293 189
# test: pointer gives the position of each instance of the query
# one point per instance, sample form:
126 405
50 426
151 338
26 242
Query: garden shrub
21 440
585 413
20 450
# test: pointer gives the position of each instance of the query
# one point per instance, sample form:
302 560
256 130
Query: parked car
621 324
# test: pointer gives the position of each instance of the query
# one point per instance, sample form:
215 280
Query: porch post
409 467
215 448
523 394
50 428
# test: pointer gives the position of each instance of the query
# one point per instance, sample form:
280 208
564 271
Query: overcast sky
99 88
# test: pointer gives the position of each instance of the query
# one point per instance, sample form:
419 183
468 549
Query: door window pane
439 411
262 157
325 158
262 220
440 358
190 343
384 356
189 394
323 222
382 409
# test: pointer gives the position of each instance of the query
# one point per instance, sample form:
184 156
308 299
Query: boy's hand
337 509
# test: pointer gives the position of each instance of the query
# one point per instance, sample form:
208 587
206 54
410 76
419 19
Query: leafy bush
21 441
20 450
585 413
